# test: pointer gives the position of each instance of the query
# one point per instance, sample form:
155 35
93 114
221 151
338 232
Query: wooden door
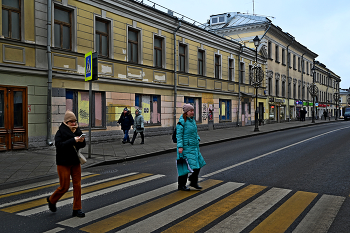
13 118
4 139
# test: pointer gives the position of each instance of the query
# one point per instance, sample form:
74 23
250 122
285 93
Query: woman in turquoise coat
188 148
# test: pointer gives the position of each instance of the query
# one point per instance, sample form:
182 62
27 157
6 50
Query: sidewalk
27 164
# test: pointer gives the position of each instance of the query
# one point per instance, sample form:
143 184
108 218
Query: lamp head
256 41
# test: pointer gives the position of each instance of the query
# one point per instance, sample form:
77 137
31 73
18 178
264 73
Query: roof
235 19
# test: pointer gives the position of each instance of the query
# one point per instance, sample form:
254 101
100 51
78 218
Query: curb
115 161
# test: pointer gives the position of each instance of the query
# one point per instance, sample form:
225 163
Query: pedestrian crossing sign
88 66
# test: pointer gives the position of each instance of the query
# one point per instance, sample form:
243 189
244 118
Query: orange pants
64 174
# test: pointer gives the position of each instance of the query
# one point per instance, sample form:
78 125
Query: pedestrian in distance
68 140
325 114
126 121
138 127
188 148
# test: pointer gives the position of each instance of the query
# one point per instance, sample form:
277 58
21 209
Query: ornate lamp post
313 90
256 77
336 99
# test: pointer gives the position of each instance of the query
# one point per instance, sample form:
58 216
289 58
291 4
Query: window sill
87 128
284 64
278 62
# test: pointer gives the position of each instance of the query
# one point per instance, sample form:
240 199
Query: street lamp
313 90
256 78
336 99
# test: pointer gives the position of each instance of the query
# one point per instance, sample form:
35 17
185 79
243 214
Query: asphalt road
296 180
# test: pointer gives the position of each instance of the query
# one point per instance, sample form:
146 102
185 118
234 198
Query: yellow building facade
136 69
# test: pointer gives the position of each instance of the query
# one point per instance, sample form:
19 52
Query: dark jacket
126 120
64 141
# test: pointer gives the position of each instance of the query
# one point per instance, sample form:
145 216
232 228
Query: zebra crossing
219 207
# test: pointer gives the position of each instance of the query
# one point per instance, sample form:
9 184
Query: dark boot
182 180
133 138
78 213
194 179
52 207
142 138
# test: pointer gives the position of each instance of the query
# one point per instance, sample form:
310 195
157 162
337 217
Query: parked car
347 114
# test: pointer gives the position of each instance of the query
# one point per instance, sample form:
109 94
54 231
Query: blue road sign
88 66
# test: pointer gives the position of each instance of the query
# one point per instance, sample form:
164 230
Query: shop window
151 108
196 103
11 19
225 110
78 102
272 112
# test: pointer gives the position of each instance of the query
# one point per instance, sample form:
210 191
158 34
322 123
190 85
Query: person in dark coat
303 114
325 114
68 142
126 122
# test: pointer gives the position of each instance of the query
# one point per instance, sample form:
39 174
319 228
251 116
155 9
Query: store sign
299 102
279 100
316 104
271 99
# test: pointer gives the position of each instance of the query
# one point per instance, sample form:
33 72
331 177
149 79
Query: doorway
13 118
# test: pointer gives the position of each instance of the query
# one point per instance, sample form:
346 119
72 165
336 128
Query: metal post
256 129
90 116
49 74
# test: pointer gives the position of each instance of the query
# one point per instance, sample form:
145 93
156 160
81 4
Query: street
296 180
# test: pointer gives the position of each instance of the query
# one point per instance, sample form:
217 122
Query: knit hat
187 107
69 116
138 110
126 109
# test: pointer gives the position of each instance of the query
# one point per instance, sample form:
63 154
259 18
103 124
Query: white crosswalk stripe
70 189
156 221
91 195
38 184
252 211
321 216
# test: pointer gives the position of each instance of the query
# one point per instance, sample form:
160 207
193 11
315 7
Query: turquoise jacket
188 139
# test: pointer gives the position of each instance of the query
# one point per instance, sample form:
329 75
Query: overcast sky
321 25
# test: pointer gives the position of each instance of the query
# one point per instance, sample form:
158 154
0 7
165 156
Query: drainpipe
302 78
175 79
49 73
288 64
239 82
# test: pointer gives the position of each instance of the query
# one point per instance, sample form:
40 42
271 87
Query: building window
283 56
299 92
225 110
289 60
201 62
294 62
277 53
11 19
303 93
294 91
269 48
270 86
277 87
231 69
158 51
217 66
133 45
289 89
307 67
63 28
102 37
182 58
78 102
303 66
283 89
197 104
242 72
151 108
250 74
298 63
